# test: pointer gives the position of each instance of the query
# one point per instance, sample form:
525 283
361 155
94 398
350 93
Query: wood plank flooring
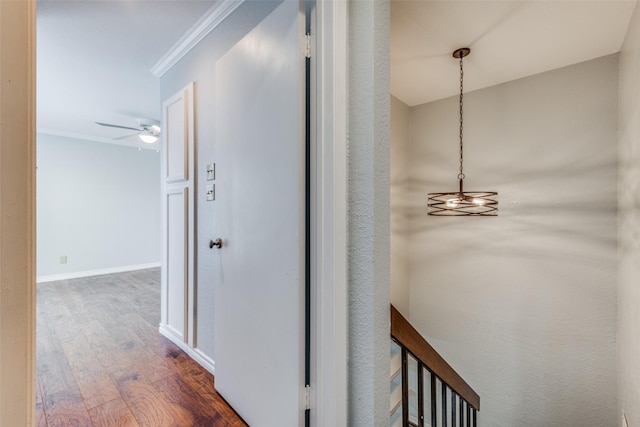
102 363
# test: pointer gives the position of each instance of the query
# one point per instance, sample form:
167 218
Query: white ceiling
94 57
509 39
94 60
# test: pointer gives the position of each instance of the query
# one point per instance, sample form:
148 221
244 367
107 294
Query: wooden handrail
407 336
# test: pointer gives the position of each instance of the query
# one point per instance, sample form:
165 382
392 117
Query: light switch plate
211 192
211 171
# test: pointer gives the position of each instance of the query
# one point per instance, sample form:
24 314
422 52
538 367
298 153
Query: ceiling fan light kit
463 203
148 132
148 138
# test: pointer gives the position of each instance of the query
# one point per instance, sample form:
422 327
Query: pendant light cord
461 174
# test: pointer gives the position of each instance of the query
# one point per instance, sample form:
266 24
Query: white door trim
329 210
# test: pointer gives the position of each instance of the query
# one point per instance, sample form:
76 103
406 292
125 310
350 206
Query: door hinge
307 51
307 397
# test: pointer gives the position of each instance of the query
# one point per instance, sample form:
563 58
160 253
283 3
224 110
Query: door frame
17 212
329 214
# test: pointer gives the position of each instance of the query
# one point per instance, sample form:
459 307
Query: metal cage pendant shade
463 203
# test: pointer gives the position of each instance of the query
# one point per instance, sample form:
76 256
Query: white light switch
211 192
211 171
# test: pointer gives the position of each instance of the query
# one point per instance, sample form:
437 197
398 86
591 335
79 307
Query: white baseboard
171 334
204 360
89 273
197 355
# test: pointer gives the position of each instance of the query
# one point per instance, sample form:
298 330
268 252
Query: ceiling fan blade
117 126
126 136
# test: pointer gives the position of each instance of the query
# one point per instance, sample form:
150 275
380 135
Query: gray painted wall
524 305
629 226
98 204
400 181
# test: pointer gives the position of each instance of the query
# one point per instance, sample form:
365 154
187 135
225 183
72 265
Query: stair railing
449 399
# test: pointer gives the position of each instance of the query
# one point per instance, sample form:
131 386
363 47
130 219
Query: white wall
399 154
629 226
523 305
98 204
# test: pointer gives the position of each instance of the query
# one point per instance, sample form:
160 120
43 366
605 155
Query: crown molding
207 22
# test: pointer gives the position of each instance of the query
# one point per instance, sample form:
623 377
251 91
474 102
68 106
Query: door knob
217 242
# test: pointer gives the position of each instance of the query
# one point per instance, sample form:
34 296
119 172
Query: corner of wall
628 329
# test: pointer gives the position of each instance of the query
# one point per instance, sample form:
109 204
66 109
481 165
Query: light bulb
479 202
453 203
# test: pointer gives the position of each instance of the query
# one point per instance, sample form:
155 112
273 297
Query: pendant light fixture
463 203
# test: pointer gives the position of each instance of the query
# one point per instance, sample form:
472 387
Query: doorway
331 313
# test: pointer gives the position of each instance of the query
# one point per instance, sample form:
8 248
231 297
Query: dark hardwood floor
101 361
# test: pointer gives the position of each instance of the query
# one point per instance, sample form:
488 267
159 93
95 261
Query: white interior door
259 214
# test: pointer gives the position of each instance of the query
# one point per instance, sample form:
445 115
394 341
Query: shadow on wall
629 205
564 209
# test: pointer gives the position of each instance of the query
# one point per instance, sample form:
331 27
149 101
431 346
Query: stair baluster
417 359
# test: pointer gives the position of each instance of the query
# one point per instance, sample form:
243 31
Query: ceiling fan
148 130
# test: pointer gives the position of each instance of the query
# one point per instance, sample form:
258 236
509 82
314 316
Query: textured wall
524 304
98 204
368 222
629 226
399 151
